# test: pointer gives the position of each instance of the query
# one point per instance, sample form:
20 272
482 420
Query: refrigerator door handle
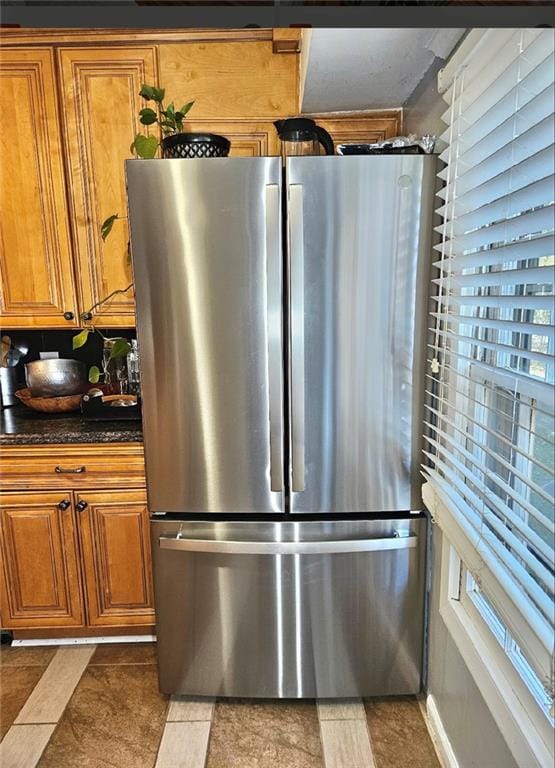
296 255
395 542
274 330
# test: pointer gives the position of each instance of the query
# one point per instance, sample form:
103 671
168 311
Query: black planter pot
195 145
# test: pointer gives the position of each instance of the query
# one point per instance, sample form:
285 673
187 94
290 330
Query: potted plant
174 141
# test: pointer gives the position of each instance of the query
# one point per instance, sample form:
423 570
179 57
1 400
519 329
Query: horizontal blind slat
508 349
511 229
516 175
538 301
537 138
514 203
512 326
514 277
521 250
440 416
519 104
532 539
526 385
535 592
480 91
495 498
493 379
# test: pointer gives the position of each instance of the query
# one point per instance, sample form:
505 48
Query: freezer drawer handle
273 324
296 250
288 547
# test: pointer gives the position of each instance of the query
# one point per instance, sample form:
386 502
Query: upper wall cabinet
101 103
37 285
230 79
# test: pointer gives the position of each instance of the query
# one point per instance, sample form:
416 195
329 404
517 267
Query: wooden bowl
49 404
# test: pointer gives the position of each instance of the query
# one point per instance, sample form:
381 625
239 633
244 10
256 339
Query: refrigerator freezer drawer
294 610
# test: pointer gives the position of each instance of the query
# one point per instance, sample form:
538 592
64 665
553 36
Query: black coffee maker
301 136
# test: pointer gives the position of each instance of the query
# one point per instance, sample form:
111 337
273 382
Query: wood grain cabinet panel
365 128
115 546
40 584
101 103
230 79
249 138
36 268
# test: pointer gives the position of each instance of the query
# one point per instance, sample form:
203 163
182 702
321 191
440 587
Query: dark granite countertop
21 426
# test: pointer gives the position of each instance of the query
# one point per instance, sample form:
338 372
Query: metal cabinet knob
64 505
68 315
63 471
85 316
81 505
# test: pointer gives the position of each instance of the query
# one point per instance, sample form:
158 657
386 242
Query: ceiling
356 69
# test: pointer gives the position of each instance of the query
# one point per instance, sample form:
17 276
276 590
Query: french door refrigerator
280 322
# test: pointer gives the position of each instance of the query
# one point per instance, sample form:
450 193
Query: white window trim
522 723
539 650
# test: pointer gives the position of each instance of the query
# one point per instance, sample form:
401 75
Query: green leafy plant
168 119
120 348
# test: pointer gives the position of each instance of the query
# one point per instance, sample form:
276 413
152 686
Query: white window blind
489 426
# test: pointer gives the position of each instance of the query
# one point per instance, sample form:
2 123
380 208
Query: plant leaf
120 349
147 92
80 339
145 146
147 116
170 110
186 107
106 226
94 374
158 94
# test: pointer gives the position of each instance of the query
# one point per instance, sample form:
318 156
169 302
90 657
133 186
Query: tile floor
99 707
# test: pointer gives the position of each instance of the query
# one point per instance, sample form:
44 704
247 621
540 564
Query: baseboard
438 734
84 640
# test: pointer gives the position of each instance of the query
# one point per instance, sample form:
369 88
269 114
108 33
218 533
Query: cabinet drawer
75 467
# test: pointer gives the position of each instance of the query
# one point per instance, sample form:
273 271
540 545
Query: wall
424 107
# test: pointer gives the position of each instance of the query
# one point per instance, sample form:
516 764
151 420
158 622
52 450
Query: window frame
519 717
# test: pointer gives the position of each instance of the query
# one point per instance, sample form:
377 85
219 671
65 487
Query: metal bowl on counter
55 377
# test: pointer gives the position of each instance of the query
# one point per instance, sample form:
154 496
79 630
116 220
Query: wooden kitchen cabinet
40 584
74 540
115 547
232 79
101 102
36 268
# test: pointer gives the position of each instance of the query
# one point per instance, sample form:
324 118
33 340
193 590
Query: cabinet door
115 547
231 79
35 256
101 104
40 584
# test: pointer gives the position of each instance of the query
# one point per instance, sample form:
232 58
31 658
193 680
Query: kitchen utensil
49 404
5 348
55 377
110 407
8 385
301 136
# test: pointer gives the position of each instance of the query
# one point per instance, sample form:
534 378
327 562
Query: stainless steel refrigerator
280 318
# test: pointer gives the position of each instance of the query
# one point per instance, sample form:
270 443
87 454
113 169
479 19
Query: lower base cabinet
41 575
115 553
74 560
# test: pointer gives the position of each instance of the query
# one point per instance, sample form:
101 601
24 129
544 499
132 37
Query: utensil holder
8 386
